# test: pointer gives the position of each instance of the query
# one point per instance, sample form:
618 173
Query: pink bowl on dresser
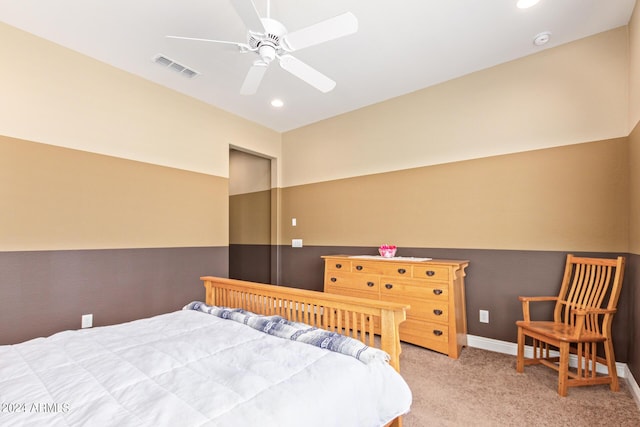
387 252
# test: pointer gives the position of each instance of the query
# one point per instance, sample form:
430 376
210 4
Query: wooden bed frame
356 317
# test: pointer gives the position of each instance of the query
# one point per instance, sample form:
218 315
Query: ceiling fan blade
224 44
306 73
249 14
254 77
332 28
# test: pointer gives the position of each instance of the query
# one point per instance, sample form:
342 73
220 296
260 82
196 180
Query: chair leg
520 358
563 369
611 365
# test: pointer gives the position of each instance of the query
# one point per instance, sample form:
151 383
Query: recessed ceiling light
277 103
525 4
542 38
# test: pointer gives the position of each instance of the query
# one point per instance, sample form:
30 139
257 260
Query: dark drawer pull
437 291
430 273
437 312
388 286
358 267
338 265
402 270
370 284
333 279
437 333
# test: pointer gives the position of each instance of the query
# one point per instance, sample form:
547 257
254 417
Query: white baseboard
633 385
512 349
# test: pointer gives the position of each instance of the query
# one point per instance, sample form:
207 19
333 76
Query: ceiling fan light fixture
267 52
526 4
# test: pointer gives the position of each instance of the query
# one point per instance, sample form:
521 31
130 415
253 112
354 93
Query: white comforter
188 368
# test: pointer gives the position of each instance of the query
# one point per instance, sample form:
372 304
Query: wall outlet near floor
296 243
484 316
87 320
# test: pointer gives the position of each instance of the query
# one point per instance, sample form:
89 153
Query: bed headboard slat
360 318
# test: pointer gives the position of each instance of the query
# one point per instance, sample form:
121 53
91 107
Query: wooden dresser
435 289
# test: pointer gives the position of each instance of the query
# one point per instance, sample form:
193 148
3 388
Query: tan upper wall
250 218
634 138
566 198
634 68
574 93
634 191
570 94
57 198
56 96
248 173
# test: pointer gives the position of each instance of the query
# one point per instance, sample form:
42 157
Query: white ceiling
401 46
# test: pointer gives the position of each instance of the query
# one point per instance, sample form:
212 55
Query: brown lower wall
43 292
633 316
495 279
250 262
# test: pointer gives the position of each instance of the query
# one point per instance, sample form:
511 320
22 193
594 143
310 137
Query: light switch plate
296 243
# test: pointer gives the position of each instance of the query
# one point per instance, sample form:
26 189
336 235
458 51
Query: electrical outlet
484 316
296 243
87 320
294 222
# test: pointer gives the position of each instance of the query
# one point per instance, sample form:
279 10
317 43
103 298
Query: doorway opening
251 253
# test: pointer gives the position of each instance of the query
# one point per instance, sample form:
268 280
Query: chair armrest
525 304
538 298
585 311
581 315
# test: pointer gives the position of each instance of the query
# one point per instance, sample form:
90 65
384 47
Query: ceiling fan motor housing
268 44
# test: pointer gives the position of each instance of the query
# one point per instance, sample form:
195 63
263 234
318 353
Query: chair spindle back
589 283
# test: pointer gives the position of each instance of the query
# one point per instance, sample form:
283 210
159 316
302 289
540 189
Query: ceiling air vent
175 66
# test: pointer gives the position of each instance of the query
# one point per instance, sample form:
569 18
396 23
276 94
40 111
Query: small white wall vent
173 65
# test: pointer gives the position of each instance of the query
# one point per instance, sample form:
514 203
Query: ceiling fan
270 40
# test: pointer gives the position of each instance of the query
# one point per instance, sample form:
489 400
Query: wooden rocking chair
582 319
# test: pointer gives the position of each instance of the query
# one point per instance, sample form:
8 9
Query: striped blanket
295 331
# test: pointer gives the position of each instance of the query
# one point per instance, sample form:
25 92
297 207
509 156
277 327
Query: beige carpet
482 388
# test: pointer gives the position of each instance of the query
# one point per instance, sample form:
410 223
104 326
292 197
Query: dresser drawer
350 292
393 269
433 311
410 290
338 265
436 273
426 334
359 282
366 267
421 309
